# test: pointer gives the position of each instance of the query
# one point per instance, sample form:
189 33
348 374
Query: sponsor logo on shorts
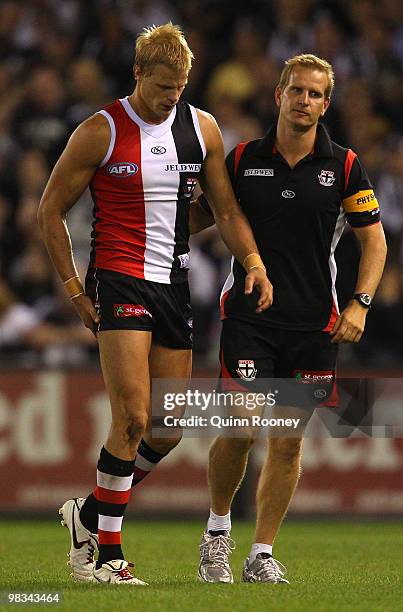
183 168
320 393
246 369
326 178
309 376
158 150
287 193
122 169
130 310
259 172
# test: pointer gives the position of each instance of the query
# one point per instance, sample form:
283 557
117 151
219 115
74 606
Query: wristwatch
364 299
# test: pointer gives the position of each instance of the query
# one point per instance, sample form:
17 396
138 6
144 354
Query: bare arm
231 222
350 325
70 177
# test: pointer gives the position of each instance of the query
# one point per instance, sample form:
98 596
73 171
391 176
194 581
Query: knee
233 446
287 450
135 425
130 416
163 445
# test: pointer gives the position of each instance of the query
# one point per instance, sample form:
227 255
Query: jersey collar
152 130
323 144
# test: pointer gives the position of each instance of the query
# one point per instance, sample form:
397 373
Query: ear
325 106
277 95
136 72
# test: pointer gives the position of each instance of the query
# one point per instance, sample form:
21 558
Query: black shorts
127 302
304 361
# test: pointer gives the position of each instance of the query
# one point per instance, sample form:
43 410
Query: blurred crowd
61 60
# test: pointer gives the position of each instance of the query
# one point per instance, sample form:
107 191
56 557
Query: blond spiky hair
307 60
164 44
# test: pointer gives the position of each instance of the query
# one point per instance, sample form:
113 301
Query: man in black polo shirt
297 189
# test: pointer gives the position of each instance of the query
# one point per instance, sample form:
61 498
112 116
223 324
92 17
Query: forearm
237 235
372 262
56 237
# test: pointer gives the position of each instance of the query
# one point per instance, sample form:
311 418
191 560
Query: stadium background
61 60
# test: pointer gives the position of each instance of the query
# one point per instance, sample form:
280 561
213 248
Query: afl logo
122 169
158 150
288 194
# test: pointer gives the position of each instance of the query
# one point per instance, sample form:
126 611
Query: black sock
89 513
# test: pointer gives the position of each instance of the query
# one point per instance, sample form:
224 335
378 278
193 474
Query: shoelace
217 549
270 569
125 573
90 553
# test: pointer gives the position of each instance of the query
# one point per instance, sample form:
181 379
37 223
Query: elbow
40 216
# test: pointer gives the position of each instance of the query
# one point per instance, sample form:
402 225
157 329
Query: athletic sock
146 460
218 525
114 478
89 513
264 549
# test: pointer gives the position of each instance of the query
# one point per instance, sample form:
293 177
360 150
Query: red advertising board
53 424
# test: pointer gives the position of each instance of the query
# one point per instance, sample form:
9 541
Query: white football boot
116 572
264 569
83 542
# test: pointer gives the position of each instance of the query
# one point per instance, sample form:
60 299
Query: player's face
161 90
302 101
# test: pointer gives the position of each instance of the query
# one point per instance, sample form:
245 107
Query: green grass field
331 566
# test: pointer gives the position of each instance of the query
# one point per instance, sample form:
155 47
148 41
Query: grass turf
331 566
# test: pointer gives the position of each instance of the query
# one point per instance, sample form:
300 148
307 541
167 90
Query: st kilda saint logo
246 369
326 178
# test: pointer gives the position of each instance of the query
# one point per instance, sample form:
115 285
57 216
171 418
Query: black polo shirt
297 216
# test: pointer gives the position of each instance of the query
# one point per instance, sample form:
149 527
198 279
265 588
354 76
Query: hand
350 324
85 308
257 278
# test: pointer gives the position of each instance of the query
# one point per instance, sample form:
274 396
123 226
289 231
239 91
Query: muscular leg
277 483
167 363
124 361
227 464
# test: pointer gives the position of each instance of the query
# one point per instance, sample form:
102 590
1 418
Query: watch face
365 298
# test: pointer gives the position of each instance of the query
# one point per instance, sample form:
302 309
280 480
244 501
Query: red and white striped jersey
142 191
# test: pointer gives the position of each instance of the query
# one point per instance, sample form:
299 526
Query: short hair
164 44
307 60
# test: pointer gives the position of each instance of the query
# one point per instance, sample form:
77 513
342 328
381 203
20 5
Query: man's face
302 101
161 89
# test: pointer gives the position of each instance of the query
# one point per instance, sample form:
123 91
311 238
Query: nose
173 97
304 98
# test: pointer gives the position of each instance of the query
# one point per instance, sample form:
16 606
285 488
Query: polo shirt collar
323 144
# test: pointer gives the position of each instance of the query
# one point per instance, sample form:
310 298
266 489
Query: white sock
259 548
219 523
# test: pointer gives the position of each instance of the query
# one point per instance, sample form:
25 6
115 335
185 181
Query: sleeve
359 201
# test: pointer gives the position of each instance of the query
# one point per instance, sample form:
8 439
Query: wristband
73 286
73 297
253 260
